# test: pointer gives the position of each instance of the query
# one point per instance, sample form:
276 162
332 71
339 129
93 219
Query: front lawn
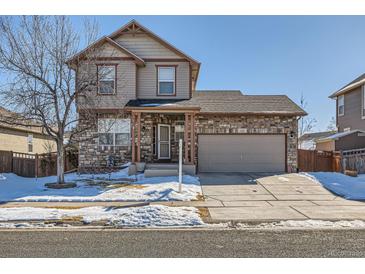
351 188
117 186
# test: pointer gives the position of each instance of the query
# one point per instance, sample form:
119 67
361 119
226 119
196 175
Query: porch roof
223 102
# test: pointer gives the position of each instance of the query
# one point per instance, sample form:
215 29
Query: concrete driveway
268 197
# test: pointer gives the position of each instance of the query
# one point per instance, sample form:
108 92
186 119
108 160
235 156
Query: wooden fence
35 165
313 160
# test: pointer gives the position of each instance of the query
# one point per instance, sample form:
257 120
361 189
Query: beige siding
147 80
108 50
326 146
17 141
145 46
126 85
352 118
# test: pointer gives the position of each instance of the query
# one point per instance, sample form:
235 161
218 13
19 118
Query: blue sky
313 55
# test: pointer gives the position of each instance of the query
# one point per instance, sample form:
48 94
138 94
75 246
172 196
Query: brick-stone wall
148 122
223 124
90 153
93 154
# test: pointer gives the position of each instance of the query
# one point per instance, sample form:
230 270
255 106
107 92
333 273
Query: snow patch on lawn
145 216
16 188
305 224
351 188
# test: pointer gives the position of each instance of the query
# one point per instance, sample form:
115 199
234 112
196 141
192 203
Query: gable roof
353 84
316 135
228 101
6 121
339 135
100 42
136 27
133 23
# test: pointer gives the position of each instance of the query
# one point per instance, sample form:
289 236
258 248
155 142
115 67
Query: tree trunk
60 162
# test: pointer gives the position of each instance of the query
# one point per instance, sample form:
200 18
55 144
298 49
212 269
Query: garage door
241 153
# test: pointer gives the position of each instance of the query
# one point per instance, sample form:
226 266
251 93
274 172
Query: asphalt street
182 243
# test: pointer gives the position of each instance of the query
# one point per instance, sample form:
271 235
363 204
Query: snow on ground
351 188
306 224
145 216
16 188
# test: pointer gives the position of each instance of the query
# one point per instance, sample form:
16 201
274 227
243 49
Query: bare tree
332 124
306 123
40 85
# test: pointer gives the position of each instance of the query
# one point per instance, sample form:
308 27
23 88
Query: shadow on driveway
231 178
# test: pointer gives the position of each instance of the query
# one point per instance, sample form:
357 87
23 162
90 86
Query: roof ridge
155 36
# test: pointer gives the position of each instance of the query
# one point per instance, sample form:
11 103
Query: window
106 79
179 130
30 142
341 105
166 80
114 132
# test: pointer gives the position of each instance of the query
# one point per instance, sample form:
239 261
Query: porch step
162 166
158 170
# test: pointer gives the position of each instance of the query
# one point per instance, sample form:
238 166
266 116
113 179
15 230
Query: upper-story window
106 79
341 105
166 80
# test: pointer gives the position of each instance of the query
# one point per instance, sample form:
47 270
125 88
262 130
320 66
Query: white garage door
241 153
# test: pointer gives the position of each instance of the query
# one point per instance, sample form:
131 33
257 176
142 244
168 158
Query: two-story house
146 93
350 117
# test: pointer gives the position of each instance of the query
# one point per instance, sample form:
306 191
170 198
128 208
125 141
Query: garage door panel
241 153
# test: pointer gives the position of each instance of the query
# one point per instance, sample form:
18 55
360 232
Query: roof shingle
229 102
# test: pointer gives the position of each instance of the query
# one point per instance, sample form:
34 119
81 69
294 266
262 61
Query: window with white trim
179 130
114 132
341 105
166 80
106 79
30 142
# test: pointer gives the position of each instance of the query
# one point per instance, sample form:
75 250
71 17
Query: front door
163 141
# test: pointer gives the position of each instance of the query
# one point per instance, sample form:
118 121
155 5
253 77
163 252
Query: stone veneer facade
90 153
252 124
93 154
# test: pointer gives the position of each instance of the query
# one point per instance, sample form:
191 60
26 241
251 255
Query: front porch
156 134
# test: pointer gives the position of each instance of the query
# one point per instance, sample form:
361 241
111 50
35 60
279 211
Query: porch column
186 148
133 137
138 137
192 138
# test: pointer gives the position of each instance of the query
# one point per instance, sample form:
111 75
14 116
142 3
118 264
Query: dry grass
72 219
204 212
200 197
126 186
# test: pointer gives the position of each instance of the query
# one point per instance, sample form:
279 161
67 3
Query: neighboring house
345 140
25 139
309 141
350 115
148 93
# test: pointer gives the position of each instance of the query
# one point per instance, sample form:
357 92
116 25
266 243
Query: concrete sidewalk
279 197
